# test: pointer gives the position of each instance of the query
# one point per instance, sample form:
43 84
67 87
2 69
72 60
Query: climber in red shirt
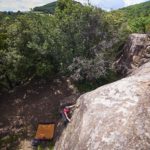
65 112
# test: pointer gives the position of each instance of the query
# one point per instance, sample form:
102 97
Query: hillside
133 19
138 10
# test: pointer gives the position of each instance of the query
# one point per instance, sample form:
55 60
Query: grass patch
48 145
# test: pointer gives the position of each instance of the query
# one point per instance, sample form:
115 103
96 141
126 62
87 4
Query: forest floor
22 109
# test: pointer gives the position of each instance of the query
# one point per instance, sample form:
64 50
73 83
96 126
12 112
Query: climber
66 112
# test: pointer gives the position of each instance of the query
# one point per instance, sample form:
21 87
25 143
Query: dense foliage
80 41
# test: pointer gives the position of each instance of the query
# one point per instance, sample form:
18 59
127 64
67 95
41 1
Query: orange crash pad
45 131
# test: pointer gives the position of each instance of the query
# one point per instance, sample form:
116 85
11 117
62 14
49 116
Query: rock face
115 116
135 52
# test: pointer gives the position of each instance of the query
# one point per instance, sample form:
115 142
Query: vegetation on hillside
137 10
77 41
135 18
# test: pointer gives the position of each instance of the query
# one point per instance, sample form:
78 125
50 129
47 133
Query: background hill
138 10
142 9
48 8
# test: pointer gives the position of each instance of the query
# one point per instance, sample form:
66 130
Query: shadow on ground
22 109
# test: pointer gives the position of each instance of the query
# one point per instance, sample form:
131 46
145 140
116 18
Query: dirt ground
22 109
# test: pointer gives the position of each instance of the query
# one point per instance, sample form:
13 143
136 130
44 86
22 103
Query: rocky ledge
135 53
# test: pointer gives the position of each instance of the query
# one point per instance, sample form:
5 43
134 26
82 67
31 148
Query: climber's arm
66 115
71 106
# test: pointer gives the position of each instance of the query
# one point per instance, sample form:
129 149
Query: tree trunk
9 81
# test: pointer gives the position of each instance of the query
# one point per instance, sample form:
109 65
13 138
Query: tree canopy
80 41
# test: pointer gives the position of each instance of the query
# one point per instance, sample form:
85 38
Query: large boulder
135 53
113 117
